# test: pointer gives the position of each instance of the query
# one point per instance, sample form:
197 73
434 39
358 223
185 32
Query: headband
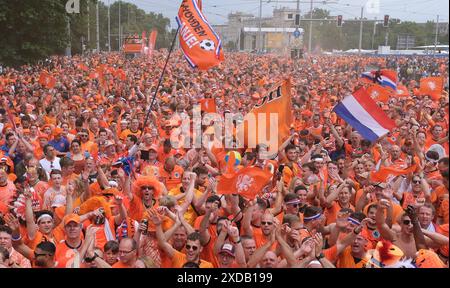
317 216
44 216
295 201
353 220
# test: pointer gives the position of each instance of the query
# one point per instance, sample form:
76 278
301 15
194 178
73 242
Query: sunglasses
266 223
44 254
126 252
189 247
417 181
146 188
406 222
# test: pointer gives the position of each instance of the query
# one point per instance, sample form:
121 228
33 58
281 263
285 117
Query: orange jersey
179 259
65 255
171 179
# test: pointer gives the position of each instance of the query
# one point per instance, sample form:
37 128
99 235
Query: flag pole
160 81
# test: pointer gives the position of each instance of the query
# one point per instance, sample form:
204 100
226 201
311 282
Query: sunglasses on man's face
406 222
189 247
36 255
417 181
266 223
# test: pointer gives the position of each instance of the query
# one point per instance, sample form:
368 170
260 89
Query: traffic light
386 21
297 19
339 21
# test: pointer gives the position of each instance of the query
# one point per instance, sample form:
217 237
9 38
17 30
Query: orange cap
72 218
57 131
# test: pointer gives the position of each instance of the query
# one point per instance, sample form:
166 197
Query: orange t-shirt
179 259
7 192
332 212
208 250
172 179
346 260
57 235
120 264
65 255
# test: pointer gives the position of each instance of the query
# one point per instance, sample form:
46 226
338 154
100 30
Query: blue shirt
62 145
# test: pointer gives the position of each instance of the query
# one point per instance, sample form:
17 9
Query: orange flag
402 91
432 86
247 182
208 105
379 93
46 80
384 172
119 73
272 113
201 46
83 67
152 42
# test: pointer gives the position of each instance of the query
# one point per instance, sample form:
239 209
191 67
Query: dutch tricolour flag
385 80
363 114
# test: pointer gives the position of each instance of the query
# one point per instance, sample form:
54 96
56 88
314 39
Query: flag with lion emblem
432 86
247 182
201 45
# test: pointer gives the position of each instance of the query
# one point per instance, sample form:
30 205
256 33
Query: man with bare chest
403 237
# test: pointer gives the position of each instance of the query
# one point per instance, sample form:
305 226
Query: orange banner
201 46
271 116
152 42
46 80
247 182
432 86
379 93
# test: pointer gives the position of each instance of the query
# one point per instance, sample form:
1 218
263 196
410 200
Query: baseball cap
227 248
72 218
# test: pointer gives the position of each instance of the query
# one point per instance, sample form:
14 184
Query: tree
35 29
31 30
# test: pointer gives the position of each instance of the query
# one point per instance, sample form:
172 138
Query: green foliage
31 30
35 29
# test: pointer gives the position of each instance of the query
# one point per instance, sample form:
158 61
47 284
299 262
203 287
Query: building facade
279 34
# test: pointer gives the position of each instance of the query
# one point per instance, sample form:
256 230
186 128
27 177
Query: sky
216 11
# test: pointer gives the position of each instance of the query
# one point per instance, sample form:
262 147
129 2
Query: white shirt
48 166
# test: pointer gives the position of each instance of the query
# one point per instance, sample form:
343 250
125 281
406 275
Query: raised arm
162 243
32 228
204 224
17 241
247 219
285 249
386 232
118 219
419 237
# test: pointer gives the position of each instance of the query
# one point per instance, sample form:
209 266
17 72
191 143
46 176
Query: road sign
297 33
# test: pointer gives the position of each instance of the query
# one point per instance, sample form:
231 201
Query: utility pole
386 38
436 35
374 32
120 30
69 42
89 25
361 30
109 26
98 31
259 44
310 28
